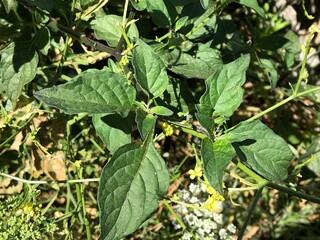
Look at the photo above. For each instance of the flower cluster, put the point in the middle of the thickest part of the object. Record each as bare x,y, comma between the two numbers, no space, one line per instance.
201,220
23,222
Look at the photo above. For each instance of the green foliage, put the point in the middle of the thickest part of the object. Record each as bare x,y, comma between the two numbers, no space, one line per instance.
262,149
18,65
121,71
93,91
131,185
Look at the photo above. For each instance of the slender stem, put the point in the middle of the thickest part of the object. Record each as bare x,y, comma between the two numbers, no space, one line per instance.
251,210
83,205
125,10
302,74
261,181
49,182
294,193
310,159
279,104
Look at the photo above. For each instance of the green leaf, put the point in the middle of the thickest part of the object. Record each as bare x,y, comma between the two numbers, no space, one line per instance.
204,3
114,130
106,28
202,65
180,23
161,110
149,69
216,157
163,13
261,149
145,122
270,71
224,93
18,66
139,5
131,185
8,5
254,5
93,91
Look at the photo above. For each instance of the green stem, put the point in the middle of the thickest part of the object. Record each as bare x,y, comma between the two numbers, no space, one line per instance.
294,193
279,104
125,10
299,166
261,181
302,74
251,210
49,182
83,205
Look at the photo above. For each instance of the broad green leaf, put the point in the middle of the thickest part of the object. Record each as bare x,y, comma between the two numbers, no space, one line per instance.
224,93
254,5
93,91
202,65
131,185
163,13
140,5
270,71
216,157
8,5
206,30
106,27
145,122
161,110
18,66
149,69
261,149
114,130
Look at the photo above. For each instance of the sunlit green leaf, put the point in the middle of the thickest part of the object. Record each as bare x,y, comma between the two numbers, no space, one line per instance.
149,69
163,13
224,93
161,110
254,5
131,185
216,157
106,27
18,66
202,65
93,91
261,149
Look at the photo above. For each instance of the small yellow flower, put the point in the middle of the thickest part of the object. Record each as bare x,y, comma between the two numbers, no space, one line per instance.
167,129
215,194
28,208
213,204
196,172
